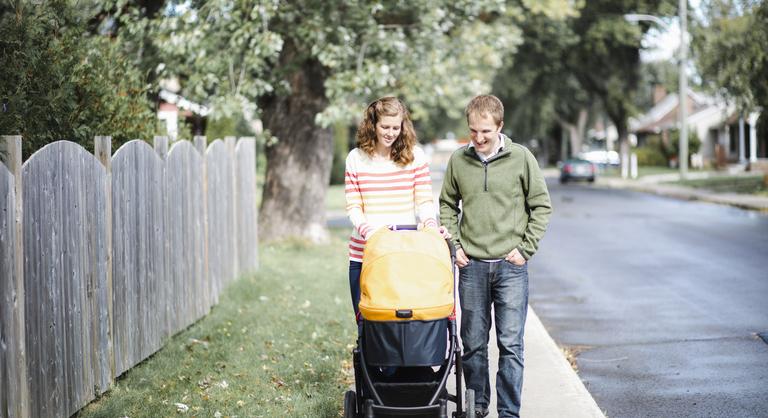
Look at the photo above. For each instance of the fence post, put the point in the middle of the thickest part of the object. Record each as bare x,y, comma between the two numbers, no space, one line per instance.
102,150
201,143
231,142
18,390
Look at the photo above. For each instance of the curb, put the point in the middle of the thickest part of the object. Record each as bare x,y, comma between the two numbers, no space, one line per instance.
748,202
556,391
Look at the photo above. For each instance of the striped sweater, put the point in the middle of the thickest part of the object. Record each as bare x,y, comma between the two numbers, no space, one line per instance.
380,193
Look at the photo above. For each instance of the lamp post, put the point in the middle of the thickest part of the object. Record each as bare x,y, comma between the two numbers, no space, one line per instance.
682,157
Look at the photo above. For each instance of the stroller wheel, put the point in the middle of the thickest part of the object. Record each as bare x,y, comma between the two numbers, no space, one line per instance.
469,404
350,404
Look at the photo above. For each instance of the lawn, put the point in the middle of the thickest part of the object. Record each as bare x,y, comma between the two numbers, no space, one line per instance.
730,184
277,345
335,199
641,171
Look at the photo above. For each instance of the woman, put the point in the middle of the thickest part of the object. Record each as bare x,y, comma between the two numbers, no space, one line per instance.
387,181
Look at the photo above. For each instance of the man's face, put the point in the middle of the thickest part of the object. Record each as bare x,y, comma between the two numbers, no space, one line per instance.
484,133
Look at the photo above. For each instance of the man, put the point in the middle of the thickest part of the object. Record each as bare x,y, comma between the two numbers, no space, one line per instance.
505,208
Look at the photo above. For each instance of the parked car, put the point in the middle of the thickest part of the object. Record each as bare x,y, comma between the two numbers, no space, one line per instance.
577,169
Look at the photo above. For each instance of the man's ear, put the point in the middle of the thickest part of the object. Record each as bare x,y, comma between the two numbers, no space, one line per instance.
501,125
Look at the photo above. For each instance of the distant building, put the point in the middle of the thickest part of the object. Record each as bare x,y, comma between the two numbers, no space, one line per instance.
173,108
726,138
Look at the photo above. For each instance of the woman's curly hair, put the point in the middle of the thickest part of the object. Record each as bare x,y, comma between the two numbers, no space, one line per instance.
402,148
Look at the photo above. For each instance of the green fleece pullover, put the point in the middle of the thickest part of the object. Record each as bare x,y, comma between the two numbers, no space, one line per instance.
504,202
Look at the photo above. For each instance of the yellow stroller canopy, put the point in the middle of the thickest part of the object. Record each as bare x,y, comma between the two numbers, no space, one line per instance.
406,275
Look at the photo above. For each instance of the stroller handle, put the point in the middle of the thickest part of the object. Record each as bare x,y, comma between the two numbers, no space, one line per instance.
412,227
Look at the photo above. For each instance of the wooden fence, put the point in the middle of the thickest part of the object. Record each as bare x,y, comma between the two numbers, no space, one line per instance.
103,257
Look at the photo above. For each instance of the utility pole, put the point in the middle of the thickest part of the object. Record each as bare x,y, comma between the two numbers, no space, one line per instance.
683,102
682,155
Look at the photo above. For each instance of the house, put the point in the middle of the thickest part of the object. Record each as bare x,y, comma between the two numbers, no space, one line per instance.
173,106
726,137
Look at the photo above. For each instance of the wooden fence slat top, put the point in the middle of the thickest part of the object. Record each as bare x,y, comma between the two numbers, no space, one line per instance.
131,147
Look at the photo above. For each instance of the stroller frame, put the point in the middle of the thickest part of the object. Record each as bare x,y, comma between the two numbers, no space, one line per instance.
366,401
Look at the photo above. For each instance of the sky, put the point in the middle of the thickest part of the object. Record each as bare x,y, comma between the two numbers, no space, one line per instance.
662,44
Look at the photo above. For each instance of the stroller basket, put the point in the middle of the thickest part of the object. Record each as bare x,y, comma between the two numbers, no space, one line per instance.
413,343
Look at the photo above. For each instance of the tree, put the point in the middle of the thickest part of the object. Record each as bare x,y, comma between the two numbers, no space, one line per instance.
607,59
539,88
310,63
59,82
729,48
563,68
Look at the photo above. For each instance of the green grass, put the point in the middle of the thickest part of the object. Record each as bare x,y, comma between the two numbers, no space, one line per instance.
277,345
641,171
730,184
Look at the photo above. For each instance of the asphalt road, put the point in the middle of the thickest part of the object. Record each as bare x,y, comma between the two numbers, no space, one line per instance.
662,300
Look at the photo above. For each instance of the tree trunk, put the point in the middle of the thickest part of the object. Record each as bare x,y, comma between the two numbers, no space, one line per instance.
576,131
299,164
621,129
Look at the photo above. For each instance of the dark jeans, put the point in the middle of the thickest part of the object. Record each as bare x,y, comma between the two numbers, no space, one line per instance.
355,267
504,285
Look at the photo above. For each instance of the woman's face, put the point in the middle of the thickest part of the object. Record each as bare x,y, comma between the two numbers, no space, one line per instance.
388,130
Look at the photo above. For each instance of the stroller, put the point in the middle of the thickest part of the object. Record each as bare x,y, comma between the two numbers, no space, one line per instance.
407,344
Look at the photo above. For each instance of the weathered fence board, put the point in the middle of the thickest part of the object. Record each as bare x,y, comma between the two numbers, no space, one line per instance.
138,260
184,188
14,387
232,259
219,187
247,211
8,358
65,278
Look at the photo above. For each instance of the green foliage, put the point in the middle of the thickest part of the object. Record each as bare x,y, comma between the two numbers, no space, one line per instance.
650,154
694,143
61,83
424,51
341,139
660,150
234,125
586,61
730,51
538,87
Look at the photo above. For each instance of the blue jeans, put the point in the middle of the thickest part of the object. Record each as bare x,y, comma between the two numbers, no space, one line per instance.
504,285
355,267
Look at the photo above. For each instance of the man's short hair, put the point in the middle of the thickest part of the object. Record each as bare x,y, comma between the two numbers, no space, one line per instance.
486,105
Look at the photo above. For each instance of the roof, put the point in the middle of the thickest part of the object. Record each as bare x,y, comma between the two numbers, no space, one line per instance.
663,115
183,103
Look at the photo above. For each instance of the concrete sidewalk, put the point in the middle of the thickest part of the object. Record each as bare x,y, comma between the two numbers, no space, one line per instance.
551,389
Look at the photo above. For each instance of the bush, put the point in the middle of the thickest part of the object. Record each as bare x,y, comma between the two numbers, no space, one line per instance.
651,156
658,152
59,82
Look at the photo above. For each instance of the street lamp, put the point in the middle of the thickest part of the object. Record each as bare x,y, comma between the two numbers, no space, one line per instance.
682,157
